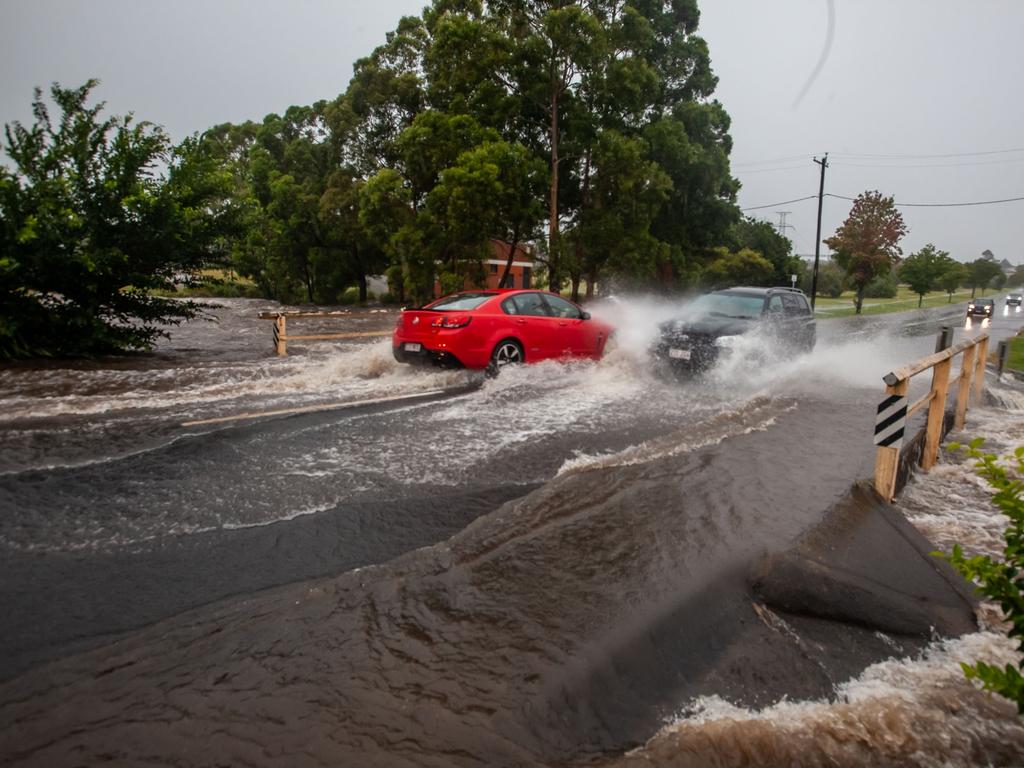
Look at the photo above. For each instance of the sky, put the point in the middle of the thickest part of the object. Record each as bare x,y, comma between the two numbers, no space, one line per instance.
919,99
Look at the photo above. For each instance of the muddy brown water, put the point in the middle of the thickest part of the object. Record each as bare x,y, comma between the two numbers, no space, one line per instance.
538,571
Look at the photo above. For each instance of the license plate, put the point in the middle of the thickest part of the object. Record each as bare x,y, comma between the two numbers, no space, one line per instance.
679,354
412,347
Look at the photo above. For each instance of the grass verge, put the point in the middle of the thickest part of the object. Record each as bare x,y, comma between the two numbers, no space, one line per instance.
905,300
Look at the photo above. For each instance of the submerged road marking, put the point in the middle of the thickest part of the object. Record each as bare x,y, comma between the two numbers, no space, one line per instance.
330,406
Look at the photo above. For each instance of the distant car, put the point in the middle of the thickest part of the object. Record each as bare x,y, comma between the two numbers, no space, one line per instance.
713,324
491,329
983,307
1013,300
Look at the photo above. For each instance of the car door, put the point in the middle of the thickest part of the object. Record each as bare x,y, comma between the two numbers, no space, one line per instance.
569,332
530,320
798,321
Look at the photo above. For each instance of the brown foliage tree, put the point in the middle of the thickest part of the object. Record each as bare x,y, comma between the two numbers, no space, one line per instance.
867,243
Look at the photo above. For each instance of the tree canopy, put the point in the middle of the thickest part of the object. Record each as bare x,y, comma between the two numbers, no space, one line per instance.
866,245
95,213
583,128
981,272
923,270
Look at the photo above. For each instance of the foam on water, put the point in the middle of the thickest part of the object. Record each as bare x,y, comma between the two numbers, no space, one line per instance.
918,711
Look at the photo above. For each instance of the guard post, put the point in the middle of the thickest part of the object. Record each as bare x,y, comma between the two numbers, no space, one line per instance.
894,410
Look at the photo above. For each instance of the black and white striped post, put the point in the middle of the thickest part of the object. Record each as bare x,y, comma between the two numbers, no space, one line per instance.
891,421
280,336
892,413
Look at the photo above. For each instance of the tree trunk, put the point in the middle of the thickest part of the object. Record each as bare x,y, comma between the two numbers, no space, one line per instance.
920,298
307,278
362,288
503,283
591,283
553,276
860,298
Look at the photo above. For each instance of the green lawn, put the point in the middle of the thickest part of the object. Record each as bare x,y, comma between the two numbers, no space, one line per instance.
1015,359
905,299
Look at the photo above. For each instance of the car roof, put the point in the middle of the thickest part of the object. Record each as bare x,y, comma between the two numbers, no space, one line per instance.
754,290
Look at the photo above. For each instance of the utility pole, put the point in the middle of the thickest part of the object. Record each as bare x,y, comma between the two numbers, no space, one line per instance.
817,240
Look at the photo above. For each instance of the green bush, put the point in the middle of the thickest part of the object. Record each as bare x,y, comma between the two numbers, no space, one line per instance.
830,280
349,296
1002,581
882,287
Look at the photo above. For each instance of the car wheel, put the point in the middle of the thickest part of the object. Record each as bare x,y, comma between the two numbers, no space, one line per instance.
507,352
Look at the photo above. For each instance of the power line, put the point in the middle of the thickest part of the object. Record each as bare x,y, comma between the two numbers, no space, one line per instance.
899,205
900,164
935,205
871,156
784,202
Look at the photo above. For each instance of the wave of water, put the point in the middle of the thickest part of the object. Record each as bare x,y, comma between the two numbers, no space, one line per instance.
916,711
902,712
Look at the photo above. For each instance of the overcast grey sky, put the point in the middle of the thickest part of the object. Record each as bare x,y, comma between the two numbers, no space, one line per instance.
910,96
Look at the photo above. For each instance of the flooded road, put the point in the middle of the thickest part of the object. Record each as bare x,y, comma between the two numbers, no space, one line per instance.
498,572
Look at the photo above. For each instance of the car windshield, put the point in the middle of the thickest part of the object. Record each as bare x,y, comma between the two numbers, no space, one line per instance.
459,302
982,301
728,305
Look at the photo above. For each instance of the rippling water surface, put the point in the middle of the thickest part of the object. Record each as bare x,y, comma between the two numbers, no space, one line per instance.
503,556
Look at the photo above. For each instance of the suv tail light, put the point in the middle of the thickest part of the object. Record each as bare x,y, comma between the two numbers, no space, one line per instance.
458,321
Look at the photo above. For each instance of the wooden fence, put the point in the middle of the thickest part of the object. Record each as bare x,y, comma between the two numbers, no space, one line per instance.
281,337
893,411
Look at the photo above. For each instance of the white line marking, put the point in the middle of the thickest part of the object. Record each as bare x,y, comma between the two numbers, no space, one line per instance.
314,408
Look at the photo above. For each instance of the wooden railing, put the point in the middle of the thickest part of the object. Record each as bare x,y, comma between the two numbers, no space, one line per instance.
281,337
970,380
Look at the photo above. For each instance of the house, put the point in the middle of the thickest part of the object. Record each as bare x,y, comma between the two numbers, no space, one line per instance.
521,274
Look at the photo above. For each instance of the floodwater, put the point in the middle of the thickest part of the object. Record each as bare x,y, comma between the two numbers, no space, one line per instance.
438,569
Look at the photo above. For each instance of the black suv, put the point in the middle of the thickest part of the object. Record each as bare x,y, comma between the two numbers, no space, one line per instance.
981,307
1013,300
712,324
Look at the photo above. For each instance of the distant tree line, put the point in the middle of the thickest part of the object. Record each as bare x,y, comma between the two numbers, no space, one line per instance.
867,259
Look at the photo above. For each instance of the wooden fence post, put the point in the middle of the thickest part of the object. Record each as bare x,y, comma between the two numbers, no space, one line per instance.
963,391
936,413
281,335
979,371
887,459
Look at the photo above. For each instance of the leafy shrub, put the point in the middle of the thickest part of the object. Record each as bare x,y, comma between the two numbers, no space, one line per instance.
349,296
882,287
830,280
1000,581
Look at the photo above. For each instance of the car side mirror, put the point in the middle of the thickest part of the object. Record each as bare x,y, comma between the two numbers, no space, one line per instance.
584,315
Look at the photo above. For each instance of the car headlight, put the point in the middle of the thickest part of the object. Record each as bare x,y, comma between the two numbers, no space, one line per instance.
727,342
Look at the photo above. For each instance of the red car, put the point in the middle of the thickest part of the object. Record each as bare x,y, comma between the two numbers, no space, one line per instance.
490,329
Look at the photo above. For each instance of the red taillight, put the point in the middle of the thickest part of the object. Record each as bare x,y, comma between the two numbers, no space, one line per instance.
458,321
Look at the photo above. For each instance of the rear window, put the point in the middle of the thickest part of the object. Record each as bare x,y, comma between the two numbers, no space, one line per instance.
459,302
795,304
